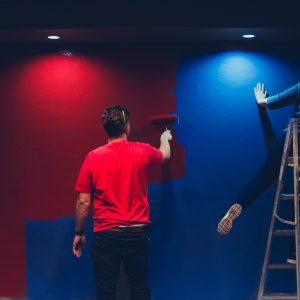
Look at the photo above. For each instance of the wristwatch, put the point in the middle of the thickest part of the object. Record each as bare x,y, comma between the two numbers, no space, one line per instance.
80,233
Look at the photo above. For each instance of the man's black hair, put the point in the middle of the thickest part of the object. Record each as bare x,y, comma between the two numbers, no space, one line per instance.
114,120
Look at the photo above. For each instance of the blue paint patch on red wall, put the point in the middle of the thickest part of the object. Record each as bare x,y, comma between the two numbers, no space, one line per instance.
53,272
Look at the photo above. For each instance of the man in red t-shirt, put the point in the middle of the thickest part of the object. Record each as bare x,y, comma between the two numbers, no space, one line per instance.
113,178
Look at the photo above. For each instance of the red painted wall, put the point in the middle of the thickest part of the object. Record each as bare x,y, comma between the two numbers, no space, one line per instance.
50,107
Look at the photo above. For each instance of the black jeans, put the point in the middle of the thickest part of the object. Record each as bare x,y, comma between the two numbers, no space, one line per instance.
266,175
109,249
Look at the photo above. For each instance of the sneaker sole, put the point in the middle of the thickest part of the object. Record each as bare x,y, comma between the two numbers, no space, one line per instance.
225,225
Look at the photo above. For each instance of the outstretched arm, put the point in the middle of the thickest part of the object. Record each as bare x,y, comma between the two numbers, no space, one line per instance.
287,97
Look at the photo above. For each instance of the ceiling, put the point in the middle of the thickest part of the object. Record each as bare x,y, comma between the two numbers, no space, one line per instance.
121,21
111,35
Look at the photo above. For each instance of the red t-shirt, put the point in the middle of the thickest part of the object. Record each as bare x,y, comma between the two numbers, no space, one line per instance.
116,175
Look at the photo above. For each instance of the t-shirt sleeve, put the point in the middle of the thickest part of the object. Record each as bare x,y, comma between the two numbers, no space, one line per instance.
154,155
287,97
84,183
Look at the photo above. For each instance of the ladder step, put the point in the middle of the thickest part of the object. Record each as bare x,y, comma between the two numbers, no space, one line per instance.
290,161
287,196
280,296
284,232
281,266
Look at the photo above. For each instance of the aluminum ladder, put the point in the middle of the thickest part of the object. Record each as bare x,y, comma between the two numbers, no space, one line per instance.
290,141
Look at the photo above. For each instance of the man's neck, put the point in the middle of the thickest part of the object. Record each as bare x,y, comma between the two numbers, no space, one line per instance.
120,138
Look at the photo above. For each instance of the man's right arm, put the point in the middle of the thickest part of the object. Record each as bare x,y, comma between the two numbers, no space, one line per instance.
164,147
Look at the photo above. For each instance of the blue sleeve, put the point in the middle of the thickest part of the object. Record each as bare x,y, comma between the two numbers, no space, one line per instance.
287,97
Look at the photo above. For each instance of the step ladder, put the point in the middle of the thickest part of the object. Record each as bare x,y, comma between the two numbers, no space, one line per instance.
291,143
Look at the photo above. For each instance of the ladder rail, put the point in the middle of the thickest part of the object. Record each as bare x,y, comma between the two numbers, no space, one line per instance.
296,201
283,165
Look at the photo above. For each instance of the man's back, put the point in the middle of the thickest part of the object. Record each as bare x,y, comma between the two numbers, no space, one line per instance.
116,174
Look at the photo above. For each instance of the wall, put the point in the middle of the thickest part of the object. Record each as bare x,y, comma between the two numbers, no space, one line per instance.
226,140
50,106
51,103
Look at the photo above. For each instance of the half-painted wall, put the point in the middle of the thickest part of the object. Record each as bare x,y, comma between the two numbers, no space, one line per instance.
50,106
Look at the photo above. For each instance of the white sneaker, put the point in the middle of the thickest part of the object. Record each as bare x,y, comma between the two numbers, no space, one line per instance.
225,225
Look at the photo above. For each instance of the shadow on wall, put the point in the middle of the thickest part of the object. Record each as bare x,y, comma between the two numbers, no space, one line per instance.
162,215
266,125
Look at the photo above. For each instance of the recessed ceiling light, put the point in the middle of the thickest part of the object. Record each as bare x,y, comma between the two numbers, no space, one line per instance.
53,37
248,36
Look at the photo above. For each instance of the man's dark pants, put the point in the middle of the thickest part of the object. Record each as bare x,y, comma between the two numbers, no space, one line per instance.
109,249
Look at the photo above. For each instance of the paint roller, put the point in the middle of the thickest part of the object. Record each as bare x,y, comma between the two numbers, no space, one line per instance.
164,119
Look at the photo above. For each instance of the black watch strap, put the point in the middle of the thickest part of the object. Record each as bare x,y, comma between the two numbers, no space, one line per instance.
80,233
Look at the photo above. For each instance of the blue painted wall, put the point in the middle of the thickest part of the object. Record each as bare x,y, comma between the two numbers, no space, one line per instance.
223,134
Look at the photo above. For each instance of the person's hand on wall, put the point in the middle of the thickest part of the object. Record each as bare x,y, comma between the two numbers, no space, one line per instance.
260,95
78,244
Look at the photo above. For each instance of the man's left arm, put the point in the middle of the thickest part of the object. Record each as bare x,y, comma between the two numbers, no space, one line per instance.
83,206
